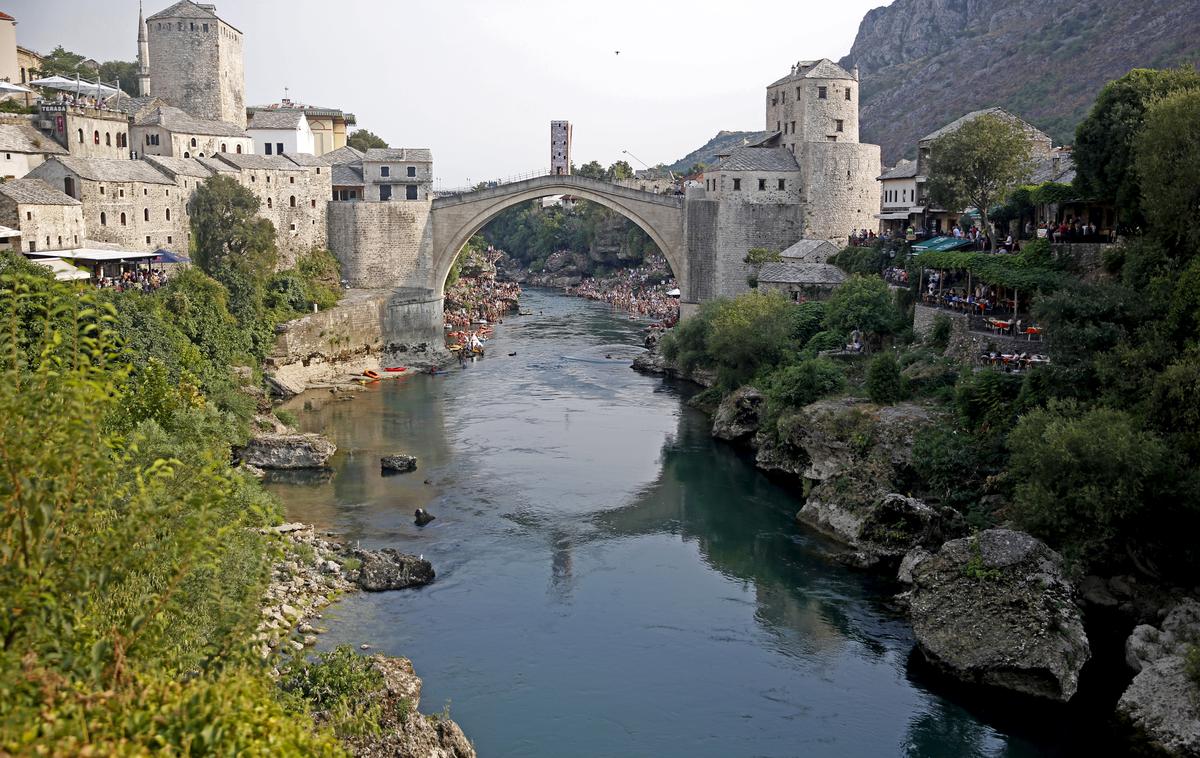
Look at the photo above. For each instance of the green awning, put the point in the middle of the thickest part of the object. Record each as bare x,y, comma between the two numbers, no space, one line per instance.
941,244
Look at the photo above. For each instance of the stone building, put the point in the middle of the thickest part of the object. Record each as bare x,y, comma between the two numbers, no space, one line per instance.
756,175
328,126
800,281
85,132
281,132
195,62
560,147
404,173
23,148
47,218
167,130
293,197
127,203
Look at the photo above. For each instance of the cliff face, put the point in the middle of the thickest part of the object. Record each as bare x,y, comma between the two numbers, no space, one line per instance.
924,63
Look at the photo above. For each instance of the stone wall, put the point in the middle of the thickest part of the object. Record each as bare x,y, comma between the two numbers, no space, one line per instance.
180,145
720,232
843,192
750,181
101,132
1081,257
196,65
966,344
295,201
382,244
368,329
796,102
49,227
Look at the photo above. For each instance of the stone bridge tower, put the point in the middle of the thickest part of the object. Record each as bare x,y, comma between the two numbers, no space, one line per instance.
195,62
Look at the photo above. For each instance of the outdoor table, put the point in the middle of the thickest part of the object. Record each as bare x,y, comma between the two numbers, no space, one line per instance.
1032,331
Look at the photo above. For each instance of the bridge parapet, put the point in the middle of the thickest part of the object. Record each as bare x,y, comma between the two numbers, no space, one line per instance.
558,185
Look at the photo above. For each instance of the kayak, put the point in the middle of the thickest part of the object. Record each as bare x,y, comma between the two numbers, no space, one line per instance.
397,369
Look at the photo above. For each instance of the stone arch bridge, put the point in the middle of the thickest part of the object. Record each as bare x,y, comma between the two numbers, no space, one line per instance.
456,218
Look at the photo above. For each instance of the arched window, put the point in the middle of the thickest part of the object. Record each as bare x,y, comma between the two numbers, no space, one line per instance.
293,201
224,148
186,154
200,155
269,202
168,214
146,214
96,137
193,141
239,148
122,219
103,219
81,136
107,139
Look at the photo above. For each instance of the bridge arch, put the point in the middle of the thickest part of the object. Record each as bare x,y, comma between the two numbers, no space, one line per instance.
456,218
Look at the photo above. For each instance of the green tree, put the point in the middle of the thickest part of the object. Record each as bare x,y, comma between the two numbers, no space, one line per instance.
799,384
227,230
979,164
361,139
1105,141
1168,167
62,62
863,303
125,73
619,170
591,169
885,385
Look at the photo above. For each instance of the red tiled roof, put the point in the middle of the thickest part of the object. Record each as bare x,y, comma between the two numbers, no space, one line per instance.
5,17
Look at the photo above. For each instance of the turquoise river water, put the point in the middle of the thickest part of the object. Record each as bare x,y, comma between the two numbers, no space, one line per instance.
613,582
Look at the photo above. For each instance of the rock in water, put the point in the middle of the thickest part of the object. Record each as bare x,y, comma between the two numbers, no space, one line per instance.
994,609
737,417
288,451
423,517
389,569
1162,700
398,464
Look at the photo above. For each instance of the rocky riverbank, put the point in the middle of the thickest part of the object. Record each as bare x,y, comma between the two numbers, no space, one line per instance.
639,290
997,608
315,570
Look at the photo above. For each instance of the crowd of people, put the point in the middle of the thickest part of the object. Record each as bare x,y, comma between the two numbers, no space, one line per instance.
472,305
641,291
145,280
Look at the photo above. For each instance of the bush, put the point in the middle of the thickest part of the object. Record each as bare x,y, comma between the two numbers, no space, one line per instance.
863,303
950,464
885,385
986,400
798,385
939,334
338,684
822,341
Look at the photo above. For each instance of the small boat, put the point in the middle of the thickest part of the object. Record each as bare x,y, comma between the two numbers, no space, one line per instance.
455,348
397,369
370,374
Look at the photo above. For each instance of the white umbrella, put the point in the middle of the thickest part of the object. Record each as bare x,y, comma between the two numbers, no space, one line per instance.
8,88
674,293
77,86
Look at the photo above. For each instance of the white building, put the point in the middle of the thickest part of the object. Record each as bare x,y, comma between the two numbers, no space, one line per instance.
281,133
23,148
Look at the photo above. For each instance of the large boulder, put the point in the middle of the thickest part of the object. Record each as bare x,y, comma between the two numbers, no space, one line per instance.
737,417
288,451
398,464
404,731
843,434
1163,700
995,609
389,569
881,527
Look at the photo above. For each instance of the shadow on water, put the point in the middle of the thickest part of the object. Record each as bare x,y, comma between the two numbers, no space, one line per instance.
611,580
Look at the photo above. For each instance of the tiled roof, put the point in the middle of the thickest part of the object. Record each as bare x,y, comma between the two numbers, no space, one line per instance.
758,159
818,69
801,273
35,191
406,154
957,124
304,159
248,161
905,169
347,175
183,9
275,120
176,120
111,170
344,154
135,106
810,251
23,138
309,110
216,166
180,166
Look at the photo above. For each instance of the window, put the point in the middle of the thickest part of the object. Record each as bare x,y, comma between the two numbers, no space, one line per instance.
279,148
291,180
268,178
121,193
412,170
385,192
107,139
186,154
29,215
145,191
252,177
206,28
737,184
793,127
782,183
238,149
762,184
292,201
193,142
147,139
783,96
385,170
168,214
201,155
81,136
96,137
837,125
410,192
797,93
122,219
292,227
101,189
69,185
169,240
269,203
313,202
224,148
268,148
847,93
145,214
822,93
32,246
147,239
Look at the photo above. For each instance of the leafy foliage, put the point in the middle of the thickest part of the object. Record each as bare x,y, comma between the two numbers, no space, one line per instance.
338,684
863,303
1031,270
797,385
361,139
1167,160
885,385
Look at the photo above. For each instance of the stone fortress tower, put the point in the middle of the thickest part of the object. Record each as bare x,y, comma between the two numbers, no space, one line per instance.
195,62
560,148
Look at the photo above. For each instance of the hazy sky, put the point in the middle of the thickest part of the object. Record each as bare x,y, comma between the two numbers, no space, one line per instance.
479,82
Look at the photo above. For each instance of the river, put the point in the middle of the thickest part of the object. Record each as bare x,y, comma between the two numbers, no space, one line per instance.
610,580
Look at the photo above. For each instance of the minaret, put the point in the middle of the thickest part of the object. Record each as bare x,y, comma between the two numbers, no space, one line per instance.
143,56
